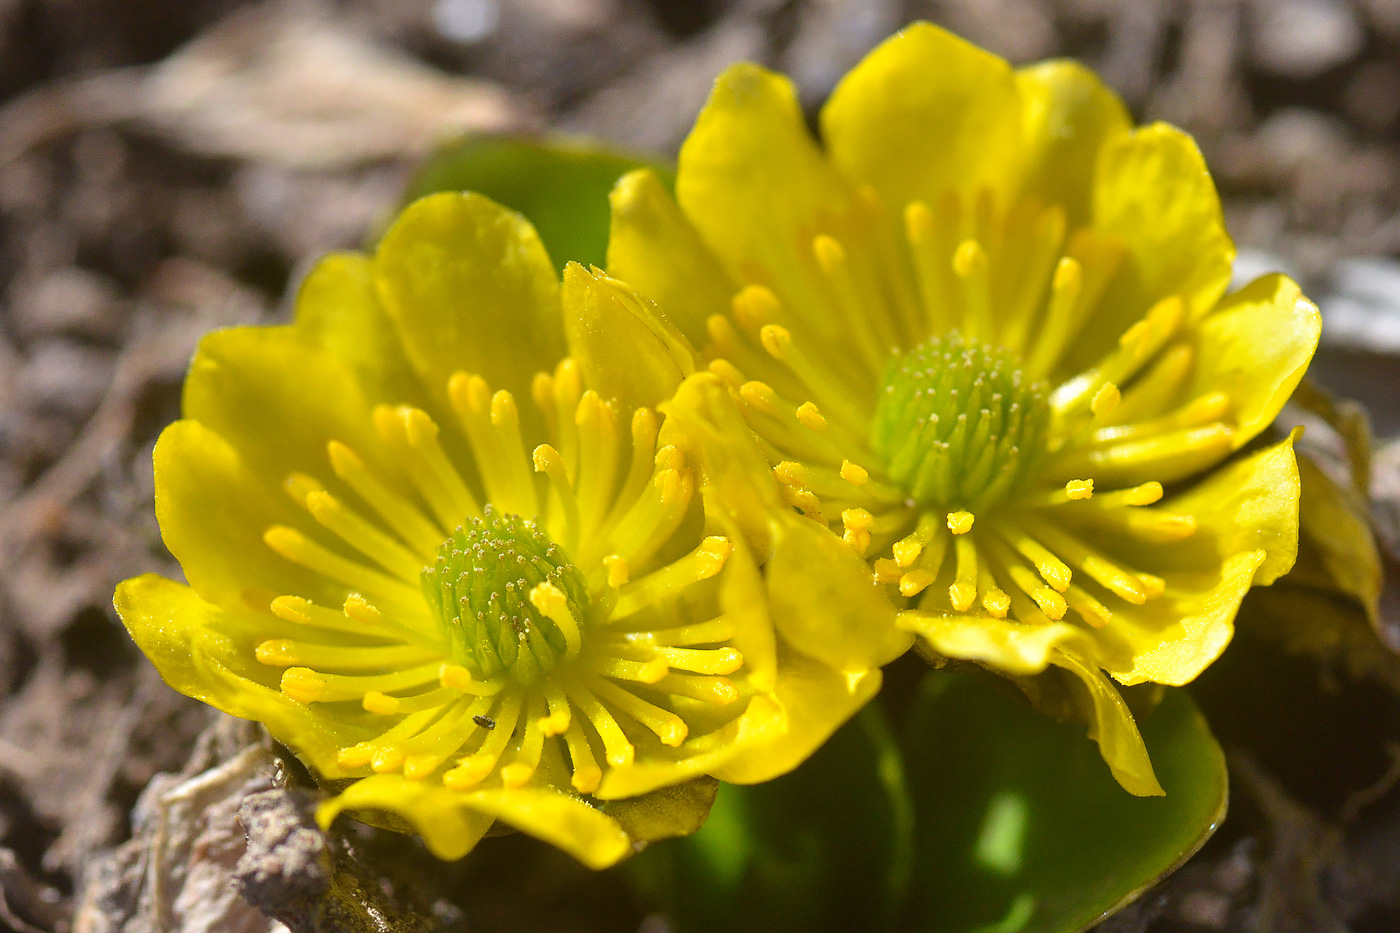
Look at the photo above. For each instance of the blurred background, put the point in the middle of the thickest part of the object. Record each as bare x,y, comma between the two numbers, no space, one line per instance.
169,166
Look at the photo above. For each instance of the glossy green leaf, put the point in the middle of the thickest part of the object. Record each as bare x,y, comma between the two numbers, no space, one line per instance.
826,847
1021,828
560,185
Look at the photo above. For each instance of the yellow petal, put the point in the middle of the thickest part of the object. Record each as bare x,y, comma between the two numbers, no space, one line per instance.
1153,193
449,825
1249,504
277,399
562,820
754,183
1247,534
1069,114
703,420
470,287
826,603
1255,348
762,720
1111,725
816,700
337,310
1002,644
745,606
654,248
206,653
925,113
213,511
628,352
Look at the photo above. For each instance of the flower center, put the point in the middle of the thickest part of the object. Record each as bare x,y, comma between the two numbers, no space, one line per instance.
957,423
508,597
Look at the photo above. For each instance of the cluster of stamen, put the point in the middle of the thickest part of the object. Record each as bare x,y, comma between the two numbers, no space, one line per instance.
484,634
969,487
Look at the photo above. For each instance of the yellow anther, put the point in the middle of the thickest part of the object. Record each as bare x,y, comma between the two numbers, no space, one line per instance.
455,677
776,339
1105,400
728,373
541,390
386,759
554,724
548,598
960,523
907,550
918,222
276,652
887,571
1079,488
417,767
859,519
754,306
1069,276
546,458
830,254
962,596
503,408
653,671
303,684
854,474
356,756
807,413
617,570
1153,585
381,703
791,473
1146,494
996,603
760,396
291,609
711,555
1051,603
516,774
299,486
421,429
915,582
969,259
358,608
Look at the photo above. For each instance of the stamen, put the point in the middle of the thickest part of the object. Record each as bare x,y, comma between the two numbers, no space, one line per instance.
669,727
527,759
960,523
397,512
597,472
549,462
963,593
554,605
471,770
361,535
856,523
1095,613
414,437
559,715
1051,569
971,265
1062,318
286,652
1099,568
617,748
587,774
307,686
717,690
907,549
700,564
299,549
703,660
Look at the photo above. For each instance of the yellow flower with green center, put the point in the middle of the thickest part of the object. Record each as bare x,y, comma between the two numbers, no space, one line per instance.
981,332
450,575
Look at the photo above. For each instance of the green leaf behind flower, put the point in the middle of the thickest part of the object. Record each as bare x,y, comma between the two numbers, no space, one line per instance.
560,185
1021,829
826,847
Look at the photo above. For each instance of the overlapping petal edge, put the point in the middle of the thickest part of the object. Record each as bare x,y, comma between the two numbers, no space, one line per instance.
322,466
962,210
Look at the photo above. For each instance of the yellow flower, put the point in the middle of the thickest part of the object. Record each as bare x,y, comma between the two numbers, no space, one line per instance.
450,575
981,332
